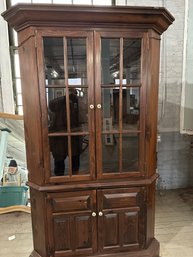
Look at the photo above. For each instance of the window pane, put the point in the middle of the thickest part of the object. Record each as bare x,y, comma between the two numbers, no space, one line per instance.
110,152
110,59
54,60
80,155
77,68
62,1
131,108
20,110
130,152
102,2
18,85
121,2
81,1
20,1
110,107
42,1
132,60
15,38
59,156
57,114
16,65
79,109
19,99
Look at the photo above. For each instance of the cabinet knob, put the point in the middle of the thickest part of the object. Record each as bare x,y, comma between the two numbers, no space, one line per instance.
100,213
91,106
99,106
94,214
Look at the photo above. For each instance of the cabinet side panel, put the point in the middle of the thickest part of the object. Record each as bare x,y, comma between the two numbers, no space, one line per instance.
152,103
31,107
38,222
150,213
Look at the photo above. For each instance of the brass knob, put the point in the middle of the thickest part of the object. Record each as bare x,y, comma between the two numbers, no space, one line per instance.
100,213
99,106
94,214
91,106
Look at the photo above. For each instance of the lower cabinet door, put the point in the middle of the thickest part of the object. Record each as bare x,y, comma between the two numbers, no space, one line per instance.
121,219
86,222
72,223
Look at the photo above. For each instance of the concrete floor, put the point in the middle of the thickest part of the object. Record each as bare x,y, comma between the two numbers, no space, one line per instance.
174,227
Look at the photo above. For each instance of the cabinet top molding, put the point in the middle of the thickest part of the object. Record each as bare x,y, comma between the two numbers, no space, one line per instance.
22,16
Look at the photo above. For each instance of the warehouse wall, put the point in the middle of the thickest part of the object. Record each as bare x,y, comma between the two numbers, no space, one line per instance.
175,154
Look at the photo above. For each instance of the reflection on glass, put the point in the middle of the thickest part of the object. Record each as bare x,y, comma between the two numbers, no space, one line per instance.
110,60
78,109
77,65
57,112
59,155
131,108
57,115
131,61
54,60
80,154
130,152
110,103
110,152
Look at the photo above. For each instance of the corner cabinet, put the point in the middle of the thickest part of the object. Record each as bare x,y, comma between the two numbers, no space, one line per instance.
90,91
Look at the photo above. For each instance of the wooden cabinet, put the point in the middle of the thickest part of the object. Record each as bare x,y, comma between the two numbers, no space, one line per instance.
84,222
90,89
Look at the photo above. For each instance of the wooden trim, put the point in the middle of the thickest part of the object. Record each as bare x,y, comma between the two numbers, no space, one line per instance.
43,104
98,113
97,185
21,16
67,104
121,106
91,100
11,116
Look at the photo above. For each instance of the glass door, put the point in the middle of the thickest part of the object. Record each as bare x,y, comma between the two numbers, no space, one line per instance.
120,96
67,93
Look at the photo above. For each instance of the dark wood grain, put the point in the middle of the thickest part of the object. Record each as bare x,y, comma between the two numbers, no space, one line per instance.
97,213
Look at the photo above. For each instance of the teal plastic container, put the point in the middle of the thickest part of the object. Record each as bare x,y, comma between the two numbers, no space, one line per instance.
13,195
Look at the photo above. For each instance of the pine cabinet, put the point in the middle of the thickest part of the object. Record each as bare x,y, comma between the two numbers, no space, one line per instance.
98,220
90,91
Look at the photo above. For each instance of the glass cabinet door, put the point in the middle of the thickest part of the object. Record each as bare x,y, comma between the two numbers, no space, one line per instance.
68,85
94,94
119,101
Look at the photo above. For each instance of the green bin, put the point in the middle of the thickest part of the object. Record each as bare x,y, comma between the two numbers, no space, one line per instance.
13,195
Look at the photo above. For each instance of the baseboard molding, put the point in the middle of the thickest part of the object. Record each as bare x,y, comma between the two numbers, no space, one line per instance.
151,251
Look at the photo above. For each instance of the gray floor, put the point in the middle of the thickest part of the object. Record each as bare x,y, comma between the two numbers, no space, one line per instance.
174,227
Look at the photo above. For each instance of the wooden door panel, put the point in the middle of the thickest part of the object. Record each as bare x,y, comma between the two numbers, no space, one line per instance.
73,234
121,225
110,223
120,200
130,228
79,203
62,233
83,232
71,223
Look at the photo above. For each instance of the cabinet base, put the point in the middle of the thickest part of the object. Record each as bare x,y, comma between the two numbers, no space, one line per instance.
151,251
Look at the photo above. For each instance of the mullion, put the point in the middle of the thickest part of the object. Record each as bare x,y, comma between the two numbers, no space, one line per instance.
120,106
67,105
115,86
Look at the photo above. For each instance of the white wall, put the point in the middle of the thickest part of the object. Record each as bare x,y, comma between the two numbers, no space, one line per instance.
6,88
187,86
